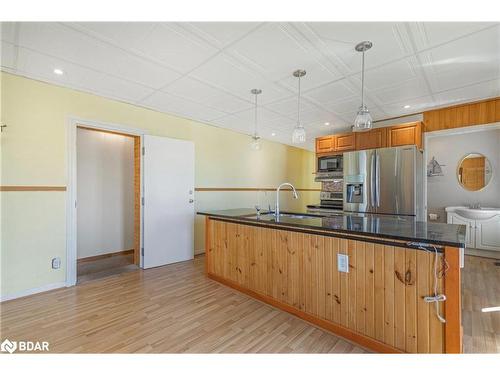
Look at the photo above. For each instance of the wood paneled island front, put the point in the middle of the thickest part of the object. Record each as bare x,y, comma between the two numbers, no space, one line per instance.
292,264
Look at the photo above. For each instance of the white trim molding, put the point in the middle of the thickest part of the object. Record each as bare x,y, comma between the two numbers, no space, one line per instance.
71,191
29,292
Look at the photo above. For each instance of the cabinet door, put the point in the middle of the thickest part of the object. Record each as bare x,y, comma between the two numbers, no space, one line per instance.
345,142
488,233
406,134
375,138
470,232
325,144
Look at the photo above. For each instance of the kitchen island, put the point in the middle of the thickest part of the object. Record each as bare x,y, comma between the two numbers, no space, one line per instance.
292,263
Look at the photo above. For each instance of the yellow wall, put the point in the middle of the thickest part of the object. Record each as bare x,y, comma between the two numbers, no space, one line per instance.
33,152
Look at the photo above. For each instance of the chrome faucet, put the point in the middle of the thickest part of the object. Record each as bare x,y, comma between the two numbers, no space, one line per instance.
295,196
475,206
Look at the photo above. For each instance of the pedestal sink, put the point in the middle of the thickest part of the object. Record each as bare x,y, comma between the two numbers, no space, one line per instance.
482,213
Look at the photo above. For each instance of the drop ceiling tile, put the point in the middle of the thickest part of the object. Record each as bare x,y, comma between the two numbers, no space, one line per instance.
316,75
288,106
72,46
470,93
280,123
334,91
348,105
409,89
315,116
263,116
168,103
335,125
341,37
429,34
222,33
471,59
128,35
416,105
41,67
233,123
8,55
200,92
388,75
175,49
225,73
277,54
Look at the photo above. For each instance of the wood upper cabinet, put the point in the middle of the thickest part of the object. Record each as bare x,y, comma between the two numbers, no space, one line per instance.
375,138
325,144
345,142
405,134
337,142
398,135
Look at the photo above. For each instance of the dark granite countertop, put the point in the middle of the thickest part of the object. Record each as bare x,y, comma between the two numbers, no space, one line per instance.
404,228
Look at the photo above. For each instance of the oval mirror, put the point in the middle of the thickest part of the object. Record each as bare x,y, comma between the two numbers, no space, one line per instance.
474,172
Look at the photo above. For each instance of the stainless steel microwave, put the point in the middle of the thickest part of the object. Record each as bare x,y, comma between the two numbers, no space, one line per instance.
332,163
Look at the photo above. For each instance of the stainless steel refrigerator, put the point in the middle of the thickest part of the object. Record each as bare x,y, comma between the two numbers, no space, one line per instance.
384,181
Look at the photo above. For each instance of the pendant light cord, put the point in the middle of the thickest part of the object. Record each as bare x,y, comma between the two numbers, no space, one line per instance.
255,117
363,80
298,107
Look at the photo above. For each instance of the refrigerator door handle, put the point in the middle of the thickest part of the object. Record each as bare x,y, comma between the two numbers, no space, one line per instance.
377,177
372,180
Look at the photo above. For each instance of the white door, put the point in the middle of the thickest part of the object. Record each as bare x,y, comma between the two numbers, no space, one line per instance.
488,233
168,201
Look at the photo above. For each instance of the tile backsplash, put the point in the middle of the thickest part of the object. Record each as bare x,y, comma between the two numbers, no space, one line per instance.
334,186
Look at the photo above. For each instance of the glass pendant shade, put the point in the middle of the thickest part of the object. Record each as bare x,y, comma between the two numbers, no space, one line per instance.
255,144
363,120
299,134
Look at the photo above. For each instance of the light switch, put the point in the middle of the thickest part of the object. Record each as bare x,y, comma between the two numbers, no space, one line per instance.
343,262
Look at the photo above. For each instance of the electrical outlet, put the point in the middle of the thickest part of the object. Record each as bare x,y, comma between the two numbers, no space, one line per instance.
343,262
56,263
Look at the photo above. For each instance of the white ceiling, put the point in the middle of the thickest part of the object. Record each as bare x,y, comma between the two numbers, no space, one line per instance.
205,71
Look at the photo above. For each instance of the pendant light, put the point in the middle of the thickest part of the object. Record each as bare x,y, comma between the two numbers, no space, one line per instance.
255,144
363,120
299,133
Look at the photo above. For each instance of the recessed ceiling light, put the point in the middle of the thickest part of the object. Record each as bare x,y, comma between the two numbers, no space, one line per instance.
59,72
327,123
406,106
273,134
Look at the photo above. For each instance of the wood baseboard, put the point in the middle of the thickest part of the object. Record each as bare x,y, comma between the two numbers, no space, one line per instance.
108,255
355,337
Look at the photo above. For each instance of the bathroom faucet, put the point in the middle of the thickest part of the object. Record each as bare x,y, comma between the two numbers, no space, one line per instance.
475,206
295,196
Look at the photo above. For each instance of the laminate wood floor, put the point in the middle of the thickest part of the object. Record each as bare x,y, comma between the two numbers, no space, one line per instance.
171,309
176,309
104,267
480,288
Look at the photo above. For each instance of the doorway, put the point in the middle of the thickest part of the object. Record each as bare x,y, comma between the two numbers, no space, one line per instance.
108,170
163,197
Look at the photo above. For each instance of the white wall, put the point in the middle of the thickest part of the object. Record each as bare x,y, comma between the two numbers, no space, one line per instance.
444,191
105,179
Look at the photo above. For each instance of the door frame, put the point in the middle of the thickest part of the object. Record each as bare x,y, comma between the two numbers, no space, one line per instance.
71,192
444,133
